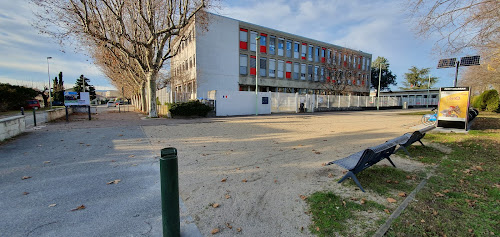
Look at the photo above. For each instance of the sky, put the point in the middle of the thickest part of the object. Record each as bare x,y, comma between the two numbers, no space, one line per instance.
379,27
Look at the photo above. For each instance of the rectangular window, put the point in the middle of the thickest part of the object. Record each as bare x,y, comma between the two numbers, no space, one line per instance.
310,53
272,45
323,54
322,74
263,43
272,68
262,67
316,54
329,56
302,72
281,44
243,39
252,65
243,64
281,68
288,70
289,48
253,36
309,72
304,51
296,71
368,65
316,72
296,48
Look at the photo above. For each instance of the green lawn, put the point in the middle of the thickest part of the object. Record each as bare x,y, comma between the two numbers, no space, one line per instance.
462,198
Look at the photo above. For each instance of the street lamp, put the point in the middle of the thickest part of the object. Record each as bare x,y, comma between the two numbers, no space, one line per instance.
257,75
48,74
378,90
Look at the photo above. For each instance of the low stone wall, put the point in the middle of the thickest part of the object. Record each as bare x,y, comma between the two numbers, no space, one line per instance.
54,114
12,126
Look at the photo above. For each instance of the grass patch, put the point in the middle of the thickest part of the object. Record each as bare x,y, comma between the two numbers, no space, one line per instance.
383,179
462,198
424,154
330,213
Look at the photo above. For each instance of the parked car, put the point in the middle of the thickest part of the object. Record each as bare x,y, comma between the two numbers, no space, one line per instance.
119,102
57,103
31,104
111,104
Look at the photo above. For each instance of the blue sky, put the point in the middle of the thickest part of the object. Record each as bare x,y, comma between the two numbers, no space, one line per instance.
377,27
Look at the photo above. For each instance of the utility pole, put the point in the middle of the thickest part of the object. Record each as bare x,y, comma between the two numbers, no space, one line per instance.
378,90
48,74
257,75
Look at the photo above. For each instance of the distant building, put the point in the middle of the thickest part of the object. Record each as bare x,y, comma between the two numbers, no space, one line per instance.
223,57
112,94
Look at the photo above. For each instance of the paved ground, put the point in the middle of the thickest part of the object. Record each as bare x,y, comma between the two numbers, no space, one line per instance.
69,165
255,168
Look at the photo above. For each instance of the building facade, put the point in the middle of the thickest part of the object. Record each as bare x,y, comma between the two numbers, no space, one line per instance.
228,55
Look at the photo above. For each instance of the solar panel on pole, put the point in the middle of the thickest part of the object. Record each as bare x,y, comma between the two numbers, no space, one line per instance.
446,63
469,61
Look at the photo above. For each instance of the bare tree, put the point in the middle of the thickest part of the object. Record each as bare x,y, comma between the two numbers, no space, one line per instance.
460,24
483,77
142,31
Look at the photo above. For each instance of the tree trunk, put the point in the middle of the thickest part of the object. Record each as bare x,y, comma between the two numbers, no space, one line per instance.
143,97
151,78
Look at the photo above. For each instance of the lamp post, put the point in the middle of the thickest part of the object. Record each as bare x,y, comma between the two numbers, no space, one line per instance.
378,89
48,74
428,90
257,75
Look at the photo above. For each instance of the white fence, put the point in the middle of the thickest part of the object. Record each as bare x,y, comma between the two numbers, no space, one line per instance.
291,102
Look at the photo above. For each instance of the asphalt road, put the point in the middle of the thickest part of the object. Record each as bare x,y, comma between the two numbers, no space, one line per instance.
49,172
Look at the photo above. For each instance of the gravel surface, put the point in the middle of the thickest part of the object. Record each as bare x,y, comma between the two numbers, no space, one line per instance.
256,168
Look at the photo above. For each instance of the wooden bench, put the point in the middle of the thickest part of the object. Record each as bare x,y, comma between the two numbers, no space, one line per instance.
408,139
360,161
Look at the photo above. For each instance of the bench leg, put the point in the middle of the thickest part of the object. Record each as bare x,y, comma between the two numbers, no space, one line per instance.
391,162
353,177
421,142
404,149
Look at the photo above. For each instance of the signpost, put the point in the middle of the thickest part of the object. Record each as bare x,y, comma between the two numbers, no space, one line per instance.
453,107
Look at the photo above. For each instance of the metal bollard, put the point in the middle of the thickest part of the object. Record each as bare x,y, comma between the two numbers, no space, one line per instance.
118,107
90,118
22,110
169,178
34,116
67,114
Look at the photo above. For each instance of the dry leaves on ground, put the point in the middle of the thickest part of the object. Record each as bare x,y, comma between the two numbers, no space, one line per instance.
244,181
26,177
391,200
387,211
114,181
79,208
363,201
239,229
224,180
228,196
302,197
229,226
25,193
52,205
438,194
402,194
215,231
46,162
215,205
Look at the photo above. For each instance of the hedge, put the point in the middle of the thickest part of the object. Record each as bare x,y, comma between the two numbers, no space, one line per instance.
191,108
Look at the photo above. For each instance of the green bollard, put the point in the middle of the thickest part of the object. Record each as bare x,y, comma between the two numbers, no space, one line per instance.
170,192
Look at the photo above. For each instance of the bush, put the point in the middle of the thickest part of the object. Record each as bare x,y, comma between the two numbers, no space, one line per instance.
487,101
14,97
191,108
